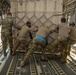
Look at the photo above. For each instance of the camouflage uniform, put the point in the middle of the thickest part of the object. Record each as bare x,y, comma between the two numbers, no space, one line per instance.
62,43
43,32
6,33
23,32
72,37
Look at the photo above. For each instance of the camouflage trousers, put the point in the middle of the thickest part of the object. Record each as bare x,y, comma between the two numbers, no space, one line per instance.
16,44
70,43
6,40
20,41
34,46
61,45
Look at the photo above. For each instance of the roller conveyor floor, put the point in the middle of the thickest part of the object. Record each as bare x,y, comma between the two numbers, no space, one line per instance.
35,66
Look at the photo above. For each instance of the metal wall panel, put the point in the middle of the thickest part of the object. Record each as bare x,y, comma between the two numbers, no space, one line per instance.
70,9
38,12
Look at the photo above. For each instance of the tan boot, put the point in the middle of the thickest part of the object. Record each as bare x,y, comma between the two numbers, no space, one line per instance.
5,54
13,53
42,57
22,63
63,61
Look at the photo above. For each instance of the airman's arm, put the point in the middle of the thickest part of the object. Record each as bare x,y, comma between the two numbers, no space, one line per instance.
35,29
70,29
54,30
16,26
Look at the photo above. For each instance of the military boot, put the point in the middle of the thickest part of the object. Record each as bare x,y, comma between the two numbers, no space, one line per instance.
22,63
25,60
13,53
63,61
4,50
52,57
43,58
5,54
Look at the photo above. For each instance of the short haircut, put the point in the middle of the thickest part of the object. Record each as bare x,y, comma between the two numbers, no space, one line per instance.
71,24
28,23
63,19
9,14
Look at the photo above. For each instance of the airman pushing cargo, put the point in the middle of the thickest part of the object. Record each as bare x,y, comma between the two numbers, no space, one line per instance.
72,35
39,40
61,42
21,37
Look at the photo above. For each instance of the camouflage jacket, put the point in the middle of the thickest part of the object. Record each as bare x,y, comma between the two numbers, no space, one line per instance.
7,24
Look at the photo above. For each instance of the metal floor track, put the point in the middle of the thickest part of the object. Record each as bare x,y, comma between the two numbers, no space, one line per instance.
35,66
